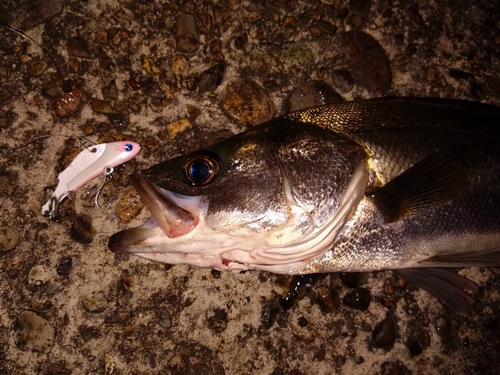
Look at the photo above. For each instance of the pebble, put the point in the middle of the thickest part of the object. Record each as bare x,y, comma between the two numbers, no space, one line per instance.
165,318
77,47
188,39
269,314
180,66
33,332
9,238
366,60
177,127
51,91
129,205
119,120
358,298
47,368
68,103
152,88
342,80
247,103
65,266
94,302
311,94
265,59
211,78
110,91
101,106
234,4
30,14
302,321
385,332
35,67
330,300
192,358
82,230
217,322
37,275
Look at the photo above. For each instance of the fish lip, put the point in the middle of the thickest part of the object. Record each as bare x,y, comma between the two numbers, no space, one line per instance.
173,219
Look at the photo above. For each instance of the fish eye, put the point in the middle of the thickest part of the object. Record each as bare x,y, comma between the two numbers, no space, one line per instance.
128,147
200,169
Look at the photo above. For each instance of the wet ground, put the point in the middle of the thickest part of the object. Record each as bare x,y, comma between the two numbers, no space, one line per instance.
175,76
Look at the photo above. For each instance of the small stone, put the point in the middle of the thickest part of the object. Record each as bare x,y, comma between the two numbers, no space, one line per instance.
119,120
247,103
33,13
215,274
367,61
82,230
94,302
101,36
217,322
180,66
175,128
240,41
188,39
302,321
77,47
68,103
65,266
37,275
165,318
110,91
149,66
269,314
311,94
326,27
9,238
413,346
33,332
51,91
152,88
384,334
129,205
47,368
262,60
211,78
342,80
234,4
330,301
101,106
358,298
206,20
36,67
73,65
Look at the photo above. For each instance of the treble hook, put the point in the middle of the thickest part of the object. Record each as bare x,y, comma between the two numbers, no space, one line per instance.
52,203
107,177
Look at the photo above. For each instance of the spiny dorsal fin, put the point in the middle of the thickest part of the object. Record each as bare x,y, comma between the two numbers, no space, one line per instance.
435,180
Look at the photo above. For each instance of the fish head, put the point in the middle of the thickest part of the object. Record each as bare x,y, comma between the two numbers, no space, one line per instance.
270,198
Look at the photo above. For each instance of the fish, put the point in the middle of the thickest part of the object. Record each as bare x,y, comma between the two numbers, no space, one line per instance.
404,184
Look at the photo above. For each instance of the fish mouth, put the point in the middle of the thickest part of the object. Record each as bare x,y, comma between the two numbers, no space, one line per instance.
175,233
175,214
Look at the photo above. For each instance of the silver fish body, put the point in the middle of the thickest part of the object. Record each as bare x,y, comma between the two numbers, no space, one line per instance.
357,186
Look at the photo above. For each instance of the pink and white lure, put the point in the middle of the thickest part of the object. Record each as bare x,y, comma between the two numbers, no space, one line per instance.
88,164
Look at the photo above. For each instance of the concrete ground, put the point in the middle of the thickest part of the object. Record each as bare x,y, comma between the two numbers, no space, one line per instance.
177,75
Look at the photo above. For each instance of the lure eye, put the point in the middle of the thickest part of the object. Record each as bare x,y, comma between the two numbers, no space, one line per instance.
200,169
128,147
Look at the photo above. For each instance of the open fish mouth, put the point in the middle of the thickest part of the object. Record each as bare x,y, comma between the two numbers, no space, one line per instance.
176,233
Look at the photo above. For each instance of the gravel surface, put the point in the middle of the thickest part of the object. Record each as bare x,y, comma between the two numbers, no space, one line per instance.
174,76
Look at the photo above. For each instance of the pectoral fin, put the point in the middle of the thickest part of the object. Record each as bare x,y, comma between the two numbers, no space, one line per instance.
446,285
433,181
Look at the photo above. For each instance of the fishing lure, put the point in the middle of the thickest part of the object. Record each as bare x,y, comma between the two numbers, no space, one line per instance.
88,164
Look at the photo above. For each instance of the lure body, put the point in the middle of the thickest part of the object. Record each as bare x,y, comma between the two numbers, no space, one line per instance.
87,165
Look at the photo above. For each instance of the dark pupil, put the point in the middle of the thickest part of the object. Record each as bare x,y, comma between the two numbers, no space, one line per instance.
199,171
